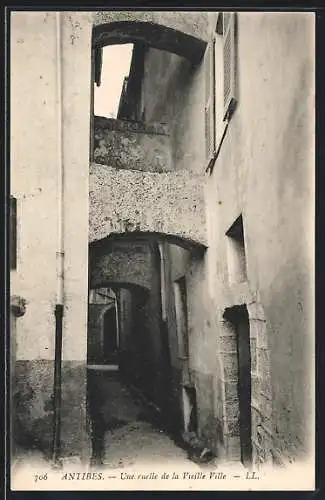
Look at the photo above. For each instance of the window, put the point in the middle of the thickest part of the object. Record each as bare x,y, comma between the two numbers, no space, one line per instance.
220,83
236,252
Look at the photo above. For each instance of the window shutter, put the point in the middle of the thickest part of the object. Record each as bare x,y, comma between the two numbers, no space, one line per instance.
229,63
209,101
13,233
98,65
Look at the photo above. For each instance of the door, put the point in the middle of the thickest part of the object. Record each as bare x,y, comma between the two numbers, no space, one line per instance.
244,384
238,316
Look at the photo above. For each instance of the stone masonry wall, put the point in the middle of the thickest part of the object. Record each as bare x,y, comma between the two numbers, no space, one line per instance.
132,145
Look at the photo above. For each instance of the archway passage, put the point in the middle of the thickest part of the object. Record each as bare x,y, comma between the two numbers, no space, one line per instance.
103,338
146,385
155,34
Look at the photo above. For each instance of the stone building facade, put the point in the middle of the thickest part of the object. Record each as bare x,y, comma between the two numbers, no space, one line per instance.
194,208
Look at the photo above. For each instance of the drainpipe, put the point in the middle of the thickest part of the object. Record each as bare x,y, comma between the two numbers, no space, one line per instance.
162,282
59,254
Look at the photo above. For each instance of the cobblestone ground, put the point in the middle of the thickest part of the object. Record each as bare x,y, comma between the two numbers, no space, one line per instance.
130,432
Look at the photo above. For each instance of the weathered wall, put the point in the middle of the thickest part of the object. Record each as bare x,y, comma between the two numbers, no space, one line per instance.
33,94
34,182
132,145
34,177
265,172
170,203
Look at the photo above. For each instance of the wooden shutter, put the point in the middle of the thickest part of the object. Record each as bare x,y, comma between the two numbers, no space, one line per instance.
98,56
209,110
229,63
13,233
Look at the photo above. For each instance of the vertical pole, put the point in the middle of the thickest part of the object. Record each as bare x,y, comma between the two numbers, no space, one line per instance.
57,381
59,307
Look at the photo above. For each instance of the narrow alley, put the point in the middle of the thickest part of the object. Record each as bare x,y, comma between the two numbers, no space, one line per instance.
160,223
127,430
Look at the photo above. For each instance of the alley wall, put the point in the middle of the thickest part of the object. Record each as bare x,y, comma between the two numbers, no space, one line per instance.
264,172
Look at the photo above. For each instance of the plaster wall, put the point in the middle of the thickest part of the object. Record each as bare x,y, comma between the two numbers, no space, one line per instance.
265,172
34,182
174,95
34,178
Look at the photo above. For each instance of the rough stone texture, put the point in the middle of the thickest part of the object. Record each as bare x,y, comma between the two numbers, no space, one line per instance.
169,203
205,404
75,429
33,405
184,34
133,146
120,263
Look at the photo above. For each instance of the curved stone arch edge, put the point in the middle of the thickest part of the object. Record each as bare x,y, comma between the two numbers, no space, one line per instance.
153,34
196,248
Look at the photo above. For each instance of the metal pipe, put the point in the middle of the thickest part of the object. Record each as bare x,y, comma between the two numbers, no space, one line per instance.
162,281
57,382
59,307
60,169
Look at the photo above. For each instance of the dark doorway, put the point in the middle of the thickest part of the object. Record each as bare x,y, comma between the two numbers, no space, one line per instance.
110,340
238,316
189,409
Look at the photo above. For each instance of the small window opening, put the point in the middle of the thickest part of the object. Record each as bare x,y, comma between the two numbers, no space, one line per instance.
236,252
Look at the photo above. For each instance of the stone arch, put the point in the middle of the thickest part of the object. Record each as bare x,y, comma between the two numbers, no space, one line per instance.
171,204
176,34
149,237
117,285
128,259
